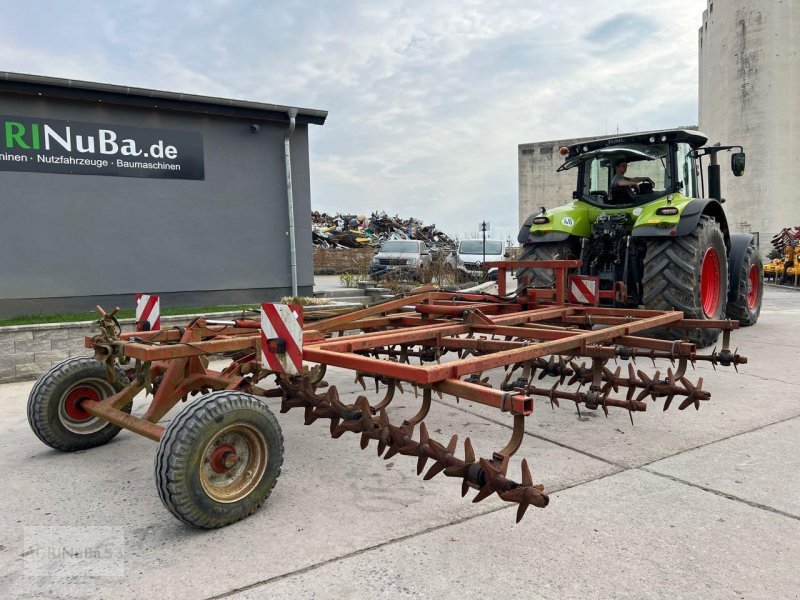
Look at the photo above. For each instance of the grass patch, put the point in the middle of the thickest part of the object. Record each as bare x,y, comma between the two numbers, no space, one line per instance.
305,301
123,314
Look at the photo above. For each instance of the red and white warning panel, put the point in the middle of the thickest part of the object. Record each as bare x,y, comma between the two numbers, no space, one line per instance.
584,289
282,338
148,313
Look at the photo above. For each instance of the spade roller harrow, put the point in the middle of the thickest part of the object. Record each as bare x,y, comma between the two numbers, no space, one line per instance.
218,459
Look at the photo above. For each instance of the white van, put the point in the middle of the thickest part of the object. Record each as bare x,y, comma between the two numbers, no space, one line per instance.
467,260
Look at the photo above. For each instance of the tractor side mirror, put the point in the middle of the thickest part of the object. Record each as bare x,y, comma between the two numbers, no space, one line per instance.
737,163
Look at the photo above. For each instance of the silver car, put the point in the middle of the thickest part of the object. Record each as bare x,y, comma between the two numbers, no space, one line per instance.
401,257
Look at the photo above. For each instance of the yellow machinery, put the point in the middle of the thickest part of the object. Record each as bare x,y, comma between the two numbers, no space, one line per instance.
787,268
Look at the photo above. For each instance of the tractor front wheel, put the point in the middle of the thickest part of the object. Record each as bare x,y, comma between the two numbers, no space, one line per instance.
219,459
689,274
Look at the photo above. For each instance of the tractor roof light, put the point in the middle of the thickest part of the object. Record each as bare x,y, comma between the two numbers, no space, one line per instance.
563,150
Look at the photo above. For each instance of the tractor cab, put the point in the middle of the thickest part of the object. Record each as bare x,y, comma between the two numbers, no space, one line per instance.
663,161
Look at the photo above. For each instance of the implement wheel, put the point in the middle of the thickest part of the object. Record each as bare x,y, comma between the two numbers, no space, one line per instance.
689,274
219,459
55,411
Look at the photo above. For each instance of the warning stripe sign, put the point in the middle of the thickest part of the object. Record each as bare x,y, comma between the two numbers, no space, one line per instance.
282,338
583,289
148,313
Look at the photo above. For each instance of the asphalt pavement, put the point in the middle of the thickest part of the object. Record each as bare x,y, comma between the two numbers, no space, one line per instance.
681,504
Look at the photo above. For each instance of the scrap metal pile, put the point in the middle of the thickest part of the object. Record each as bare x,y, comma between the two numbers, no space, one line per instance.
505,352
786,268
359,231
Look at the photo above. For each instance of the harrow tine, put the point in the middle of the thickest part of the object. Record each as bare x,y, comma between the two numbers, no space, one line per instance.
469,453
360,379
526,493
562,366
553,398
434,471
605,404
442,455
423,448
462,469
494,471
647,383
671,382
383,440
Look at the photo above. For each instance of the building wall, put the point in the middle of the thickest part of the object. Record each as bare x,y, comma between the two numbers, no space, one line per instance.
749,91
539,184
68,242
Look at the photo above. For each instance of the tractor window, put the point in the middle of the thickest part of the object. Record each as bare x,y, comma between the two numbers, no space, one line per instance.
599,170
686,173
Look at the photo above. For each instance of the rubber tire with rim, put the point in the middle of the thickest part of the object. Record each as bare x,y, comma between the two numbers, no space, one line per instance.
543,278
51,390
179,458
740,309
671,280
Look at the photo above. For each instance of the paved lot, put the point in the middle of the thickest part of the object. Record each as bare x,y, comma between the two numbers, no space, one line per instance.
682,504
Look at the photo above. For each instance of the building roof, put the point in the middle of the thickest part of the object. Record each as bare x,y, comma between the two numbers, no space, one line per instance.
88,91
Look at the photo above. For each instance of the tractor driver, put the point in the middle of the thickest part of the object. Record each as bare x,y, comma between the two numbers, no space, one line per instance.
620,180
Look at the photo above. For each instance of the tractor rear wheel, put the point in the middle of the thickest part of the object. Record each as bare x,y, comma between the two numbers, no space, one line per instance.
55,411
542,278
219,459
689,274
747,306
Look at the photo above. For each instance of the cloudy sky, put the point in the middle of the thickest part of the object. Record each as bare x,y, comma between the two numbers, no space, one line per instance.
427,100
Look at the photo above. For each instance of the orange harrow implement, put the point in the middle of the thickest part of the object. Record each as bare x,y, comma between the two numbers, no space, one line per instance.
219,458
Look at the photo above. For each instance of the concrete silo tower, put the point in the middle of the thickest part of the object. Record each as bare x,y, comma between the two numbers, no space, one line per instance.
750,95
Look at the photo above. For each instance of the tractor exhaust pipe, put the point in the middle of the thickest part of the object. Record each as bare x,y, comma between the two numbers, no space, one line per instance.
714,186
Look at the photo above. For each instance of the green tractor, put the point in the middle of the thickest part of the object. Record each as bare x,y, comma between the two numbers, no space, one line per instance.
646,234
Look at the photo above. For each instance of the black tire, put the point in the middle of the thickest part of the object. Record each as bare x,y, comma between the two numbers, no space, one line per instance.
189,452
542,278
54,412
672,279
747,306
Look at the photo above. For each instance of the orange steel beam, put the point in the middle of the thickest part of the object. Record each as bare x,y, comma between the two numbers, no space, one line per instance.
527,332
383,338
340,356
483,363
536,314
123,419
334,322
512,402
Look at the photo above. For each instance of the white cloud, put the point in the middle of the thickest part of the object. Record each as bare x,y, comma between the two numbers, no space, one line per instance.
428,100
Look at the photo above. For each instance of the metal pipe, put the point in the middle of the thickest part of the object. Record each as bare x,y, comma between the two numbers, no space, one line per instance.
287,155
714,186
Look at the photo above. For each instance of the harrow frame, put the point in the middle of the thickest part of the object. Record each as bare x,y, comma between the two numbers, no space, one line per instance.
515,332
